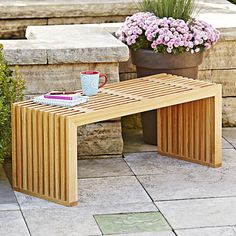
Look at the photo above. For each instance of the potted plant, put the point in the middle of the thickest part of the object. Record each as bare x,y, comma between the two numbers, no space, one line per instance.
165,38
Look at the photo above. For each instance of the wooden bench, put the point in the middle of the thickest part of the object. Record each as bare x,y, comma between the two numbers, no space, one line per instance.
44,138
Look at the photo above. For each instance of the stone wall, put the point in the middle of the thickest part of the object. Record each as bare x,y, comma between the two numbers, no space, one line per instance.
15,16
219,66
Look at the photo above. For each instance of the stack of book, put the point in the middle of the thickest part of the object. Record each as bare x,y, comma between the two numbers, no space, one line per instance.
64,99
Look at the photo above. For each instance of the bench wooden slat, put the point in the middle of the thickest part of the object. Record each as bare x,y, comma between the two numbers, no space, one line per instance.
44,138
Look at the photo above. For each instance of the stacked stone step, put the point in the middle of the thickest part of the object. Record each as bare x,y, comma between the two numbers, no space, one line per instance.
16,15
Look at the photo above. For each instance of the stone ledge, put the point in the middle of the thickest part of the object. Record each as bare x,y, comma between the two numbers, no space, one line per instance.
59,8
88,45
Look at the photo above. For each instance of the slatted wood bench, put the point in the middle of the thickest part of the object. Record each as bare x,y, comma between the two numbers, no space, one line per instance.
44,138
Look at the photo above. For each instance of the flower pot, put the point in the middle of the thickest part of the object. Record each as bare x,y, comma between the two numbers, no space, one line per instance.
150,63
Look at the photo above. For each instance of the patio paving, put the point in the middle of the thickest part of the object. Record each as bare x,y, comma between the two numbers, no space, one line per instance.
116,196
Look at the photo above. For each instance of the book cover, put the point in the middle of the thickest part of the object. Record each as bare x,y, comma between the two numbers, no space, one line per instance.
61,102
63,96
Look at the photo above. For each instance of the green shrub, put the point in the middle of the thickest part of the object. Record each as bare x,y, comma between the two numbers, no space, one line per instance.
178,9
232,1
11,90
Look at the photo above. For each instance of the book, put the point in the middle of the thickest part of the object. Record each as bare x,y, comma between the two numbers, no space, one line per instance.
60,102
63,96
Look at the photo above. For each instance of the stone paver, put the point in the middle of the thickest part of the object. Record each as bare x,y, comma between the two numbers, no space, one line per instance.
163,233
199,212
96,191
226,144
60,222
12,224
111,190
216,231
167,178
75,221
29,202
103,168
132,223
7,197
150,163
230,135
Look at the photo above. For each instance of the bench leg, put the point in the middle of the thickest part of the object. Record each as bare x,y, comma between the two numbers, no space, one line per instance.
44,155
192,131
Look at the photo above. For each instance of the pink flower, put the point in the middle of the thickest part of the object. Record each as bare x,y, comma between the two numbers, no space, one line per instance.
168,32
169,50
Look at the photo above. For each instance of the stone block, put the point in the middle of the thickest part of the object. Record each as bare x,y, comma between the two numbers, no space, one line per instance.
52,47
100,139
78,49
85,20
16,28
226,77
70,8
127,66
221,56
229,112
132,122
24,52
43,78
127,76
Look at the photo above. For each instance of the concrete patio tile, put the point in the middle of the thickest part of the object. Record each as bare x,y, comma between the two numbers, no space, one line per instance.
230,135
95,191
132,222
60,222
216,231
163,233
149,163
192,181
226,144
111,190
199,212
103,168
29,202
7,197
185,186
12,224
75,221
